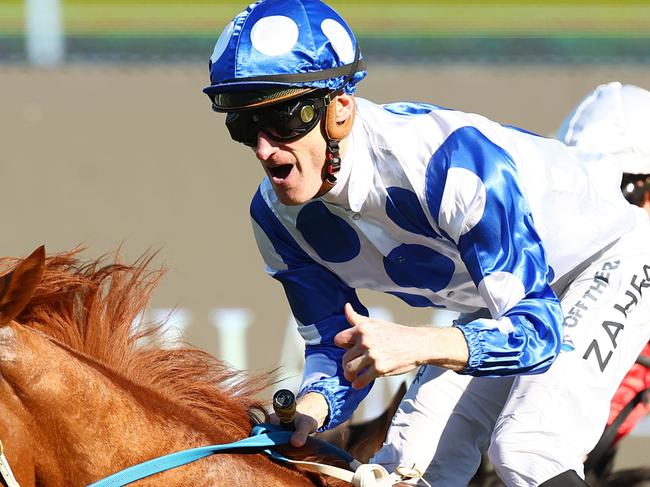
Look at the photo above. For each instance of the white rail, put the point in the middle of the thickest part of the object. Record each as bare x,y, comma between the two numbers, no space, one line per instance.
45,42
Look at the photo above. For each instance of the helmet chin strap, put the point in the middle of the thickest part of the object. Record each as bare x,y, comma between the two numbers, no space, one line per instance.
335,132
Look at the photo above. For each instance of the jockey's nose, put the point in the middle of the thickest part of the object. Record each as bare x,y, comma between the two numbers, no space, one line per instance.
265,147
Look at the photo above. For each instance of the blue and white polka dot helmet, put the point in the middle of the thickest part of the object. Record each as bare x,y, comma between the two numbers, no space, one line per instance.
290,45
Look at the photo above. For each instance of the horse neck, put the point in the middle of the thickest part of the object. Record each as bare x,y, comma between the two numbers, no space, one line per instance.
70,423
74,410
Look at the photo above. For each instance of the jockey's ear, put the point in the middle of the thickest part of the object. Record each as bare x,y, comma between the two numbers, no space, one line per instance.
18,286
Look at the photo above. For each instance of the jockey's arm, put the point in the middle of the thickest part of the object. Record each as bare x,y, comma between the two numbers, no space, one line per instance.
378,348
408,346
316,297
477,199
493,231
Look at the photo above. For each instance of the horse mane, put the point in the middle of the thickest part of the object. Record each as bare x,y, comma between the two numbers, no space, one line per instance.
95,309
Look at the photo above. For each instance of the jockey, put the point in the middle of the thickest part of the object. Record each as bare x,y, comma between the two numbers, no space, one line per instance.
612,120
442,209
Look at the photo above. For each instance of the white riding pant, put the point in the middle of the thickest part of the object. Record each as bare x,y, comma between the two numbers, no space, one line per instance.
534,427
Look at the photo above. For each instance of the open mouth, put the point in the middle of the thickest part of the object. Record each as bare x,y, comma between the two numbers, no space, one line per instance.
281,172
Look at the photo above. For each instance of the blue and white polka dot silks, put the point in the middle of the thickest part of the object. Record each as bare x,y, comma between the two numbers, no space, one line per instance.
442,209
282,37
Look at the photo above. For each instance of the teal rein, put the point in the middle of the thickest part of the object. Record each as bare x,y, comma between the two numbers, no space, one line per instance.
263,438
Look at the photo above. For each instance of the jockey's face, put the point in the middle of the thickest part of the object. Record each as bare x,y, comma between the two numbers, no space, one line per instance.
296,168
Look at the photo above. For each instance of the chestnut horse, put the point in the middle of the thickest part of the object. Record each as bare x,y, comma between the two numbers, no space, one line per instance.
82,397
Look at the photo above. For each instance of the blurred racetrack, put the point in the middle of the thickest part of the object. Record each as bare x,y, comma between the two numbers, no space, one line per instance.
118,147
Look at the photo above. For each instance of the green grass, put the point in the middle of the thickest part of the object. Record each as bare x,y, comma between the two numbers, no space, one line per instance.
415,18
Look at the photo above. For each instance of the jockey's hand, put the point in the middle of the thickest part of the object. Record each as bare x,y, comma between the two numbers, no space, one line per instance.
377,348
311,412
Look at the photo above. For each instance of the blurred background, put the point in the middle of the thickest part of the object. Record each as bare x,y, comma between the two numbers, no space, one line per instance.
106,140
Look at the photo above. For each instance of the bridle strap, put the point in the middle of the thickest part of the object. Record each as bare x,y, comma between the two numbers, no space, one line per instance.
5,470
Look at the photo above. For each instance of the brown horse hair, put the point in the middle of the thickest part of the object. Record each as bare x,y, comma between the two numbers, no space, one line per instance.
90,310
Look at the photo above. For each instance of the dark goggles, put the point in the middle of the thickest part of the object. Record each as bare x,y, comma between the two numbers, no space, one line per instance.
634,187
284,122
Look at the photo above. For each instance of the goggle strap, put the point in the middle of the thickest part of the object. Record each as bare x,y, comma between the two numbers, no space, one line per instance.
347,70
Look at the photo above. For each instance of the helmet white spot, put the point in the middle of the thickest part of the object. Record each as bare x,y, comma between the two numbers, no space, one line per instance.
274,35
340,39
222,42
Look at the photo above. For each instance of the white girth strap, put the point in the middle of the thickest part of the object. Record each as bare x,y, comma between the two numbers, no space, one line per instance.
5,470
